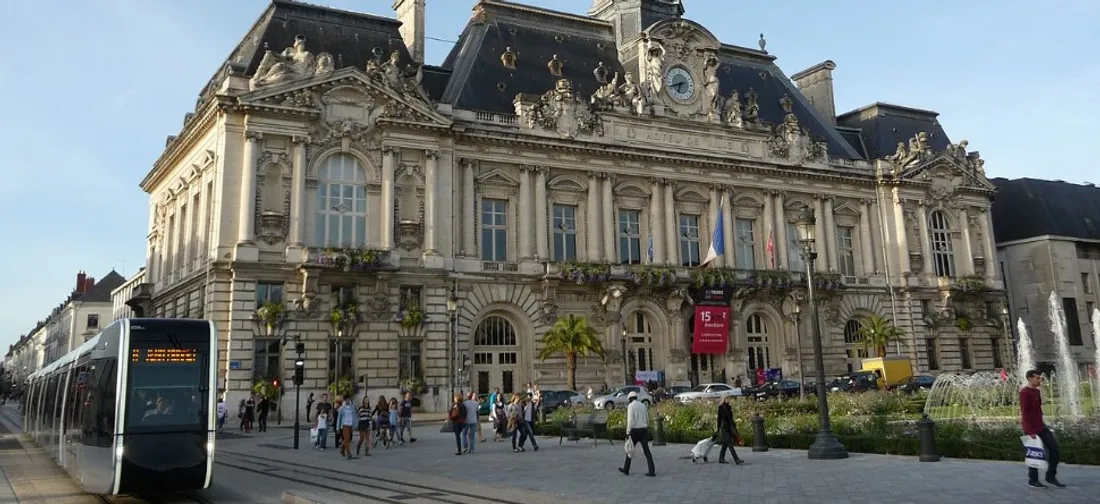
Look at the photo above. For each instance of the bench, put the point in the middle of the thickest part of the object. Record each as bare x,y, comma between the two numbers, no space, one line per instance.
594,424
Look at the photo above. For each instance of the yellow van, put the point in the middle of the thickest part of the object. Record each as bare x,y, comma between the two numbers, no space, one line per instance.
892,370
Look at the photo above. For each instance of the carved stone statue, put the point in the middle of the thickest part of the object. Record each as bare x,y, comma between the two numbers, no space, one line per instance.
607,94
401,78
654,67
559,110
731,113
293,63
710,83
325,64
631,94
752,106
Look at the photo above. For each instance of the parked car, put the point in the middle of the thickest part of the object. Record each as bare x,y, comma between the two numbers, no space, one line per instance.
708,391
554,399
670,392
781,388
617,398
575,398
915,383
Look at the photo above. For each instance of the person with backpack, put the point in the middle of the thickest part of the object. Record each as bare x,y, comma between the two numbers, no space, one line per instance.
457,417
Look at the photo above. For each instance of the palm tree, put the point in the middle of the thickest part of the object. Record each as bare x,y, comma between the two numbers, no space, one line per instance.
571,336
877,333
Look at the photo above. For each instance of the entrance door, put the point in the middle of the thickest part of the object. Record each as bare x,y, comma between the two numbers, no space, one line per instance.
496,355
760,352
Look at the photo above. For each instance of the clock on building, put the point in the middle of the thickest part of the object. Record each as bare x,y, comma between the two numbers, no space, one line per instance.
680,84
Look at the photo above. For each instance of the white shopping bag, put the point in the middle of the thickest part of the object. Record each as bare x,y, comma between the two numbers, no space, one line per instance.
313,435
629,447
1035,454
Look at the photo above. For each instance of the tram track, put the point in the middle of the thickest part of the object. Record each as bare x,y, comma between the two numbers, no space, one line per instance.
160,499
399,491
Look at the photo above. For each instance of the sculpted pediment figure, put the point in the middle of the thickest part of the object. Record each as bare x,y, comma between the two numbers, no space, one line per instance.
560,110
294,63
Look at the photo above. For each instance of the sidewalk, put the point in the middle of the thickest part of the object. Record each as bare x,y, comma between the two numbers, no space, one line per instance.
29,474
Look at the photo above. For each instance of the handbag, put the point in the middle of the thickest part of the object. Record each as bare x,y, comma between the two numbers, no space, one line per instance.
1035,454
629,447
313,435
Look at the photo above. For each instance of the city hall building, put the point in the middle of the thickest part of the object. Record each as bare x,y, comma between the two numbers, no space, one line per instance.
416,222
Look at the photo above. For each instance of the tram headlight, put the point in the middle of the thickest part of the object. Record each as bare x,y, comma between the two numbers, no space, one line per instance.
119,448
210,443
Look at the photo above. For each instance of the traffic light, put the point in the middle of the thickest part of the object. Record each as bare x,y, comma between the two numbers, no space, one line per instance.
299,372
300,348
275,383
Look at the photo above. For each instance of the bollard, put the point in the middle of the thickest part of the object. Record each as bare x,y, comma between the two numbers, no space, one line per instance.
759,439
926,429
659,435
542,415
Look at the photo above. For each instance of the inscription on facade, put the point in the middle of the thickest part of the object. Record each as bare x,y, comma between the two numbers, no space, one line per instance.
678,139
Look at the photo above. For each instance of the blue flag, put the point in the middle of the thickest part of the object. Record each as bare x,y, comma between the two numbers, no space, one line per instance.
651,248
717,240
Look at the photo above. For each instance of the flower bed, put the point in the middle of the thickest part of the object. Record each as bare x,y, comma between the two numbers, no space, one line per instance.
865,423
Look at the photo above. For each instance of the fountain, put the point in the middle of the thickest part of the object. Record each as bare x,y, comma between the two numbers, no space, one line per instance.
1096,356
1070,388
1025,352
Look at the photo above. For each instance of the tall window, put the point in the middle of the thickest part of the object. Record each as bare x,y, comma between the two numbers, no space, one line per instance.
794,249
760,352
265,358
341,203
181,242
209,217
689,240
565,233
853,349
93,321
494,230
630,237
995,343
943,251
1086,283
409,359
932,354
639,343
268,292
964,353
845,250
746,244
341,359
1073,321
196,233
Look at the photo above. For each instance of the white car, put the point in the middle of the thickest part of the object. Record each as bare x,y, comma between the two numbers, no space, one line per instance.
619,398
575,397
708,391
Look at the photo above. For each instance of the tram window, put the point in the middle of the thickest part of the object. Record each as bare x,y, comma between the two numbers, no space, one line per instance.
77,401
50,402
99,419
165,384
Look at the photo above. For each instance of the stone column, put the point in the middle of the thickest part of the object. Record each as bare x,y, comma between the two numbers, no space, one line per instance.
389,165
608,210
967,264
592,217
769,231
672,226
867,259
431,181
900,236
830,234
821,264
523,210
712,219
727,227
781,232
469,210
297,196
656,222
542,226
925,240
989,246
247,226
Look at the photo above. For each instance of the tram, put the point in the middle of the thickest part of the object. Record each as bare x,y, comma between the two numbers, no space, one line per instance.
132,410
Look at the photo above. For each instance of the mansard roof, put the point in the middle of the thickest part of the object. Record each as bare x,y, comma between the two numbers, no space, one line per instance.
882,125
1027,208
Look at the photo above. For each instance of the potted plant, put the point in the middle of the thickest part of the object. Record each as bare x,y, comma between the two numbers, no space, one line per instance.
343,387
271,314
410,315
583,272
413,385
343,316
963,323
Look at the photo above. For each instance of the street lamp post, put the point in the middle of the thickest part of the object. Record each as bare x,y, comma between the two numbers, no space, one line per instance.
798,348
626,368
299,377
826,446
1009,335
452,310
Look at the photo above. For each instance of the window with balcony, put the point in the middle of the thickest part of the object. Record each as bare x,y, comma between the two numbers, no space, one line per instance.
845,250
794,249
494,230
565,232
268,292
630,237
689,240
943,250
745,243
409,359
266,358
341,203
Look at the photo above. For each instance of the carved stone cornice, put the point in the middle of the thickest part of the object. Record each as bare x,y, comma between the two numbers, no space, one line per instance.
431,153
254,136
467,162
300,139
389,149
594,175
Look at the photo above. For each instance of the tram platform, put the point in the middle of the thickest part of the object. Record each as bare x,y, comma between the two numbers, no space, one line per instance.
29,475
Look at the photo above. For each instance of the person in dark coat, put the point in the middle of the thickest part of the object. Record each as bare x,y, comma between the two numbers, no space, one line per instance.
727,432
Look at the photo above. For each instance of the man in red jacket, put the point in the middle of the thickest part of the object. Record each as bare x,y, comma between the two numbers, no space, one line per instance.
1031,420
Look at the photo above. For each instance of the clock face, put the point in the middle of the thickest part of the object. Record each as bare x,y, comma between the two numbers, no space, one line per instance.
680,84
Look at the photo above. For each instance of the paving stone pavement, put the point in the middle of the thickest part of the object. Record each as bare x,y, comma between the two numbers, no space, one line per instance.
582,471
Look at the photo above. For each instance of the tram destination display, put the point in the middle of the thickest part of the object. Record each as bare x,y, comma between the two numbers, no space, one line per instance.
164,355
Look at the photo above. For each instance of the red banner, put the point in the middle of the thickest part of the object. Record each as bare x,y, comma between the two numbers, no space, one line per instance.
712,329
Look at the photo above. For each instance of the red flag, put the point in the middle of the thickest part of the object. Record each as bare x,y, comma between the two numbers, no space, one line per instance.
771,249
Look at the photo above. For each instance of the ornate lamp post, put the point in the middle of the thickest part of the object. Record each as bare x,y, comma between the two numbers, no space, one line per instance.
452,311
1008,334
826,447
612,302
626,368
798,348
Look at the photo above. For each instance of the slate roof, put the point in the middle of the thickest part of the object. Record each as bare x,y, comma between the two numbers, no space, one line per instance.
101,291
883,125
1026,208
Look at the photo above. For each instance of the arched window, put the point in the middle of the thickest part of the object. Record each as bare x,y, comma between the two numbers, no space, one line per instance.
943,251
760,352
341,203
853,348
495,355
639,343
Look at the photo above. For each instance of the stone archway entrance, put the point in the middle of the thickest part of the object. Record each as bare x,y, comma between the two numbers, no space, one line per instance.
496,356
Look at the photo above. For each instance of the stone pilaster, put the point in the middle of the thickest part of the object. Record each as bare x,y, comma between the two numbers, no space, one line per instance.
542,226
656,219
246,248
389,164
431,182
829,245
523,210
607,206
469,210
592,219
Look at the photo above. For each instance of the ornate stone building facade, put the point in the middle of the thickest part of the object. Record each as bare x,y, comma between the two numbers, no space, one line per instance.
553,164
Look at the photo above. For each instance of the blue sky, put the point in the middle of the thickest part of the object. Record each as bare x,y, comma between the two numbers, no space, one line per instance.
93,89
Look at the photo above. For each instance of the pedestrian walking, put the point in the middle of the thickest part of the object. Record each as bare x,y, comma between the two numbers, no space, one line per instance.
469,435
1031,420
262,409
405,421
457,416
348,420
727,432
637,428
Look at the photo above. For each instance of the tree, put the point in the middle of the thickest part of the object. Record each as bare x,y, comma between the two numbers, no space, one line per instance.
572,337
876,333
